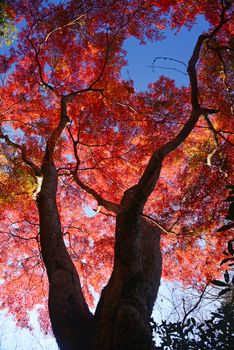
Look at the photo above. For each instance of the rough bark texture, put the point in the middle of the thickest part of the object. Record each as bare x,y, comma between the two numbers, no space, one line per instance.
127,301
70,317
122,318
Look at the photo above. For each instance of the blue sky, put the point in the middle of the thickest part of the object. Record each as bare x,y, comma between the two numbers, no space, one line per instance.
177,46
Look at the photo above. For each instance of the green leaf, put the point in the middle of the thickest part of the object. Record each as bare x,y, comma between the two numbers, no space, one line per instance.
193,321
230,247
229,199
226,276
224,291
217,315
225,227
226,260
219,283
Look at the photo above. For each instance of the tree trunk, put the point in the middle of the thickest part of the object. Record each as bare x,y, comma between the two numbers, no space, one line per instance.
69,314
122,319
71,320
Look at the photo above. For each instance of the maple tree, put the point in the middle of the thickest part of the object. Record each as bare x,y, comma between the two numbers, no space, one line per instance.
152,165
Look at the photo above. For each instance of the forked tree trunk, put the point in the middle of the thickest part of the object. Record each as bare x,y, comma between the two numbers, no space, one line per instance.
69,314
122,318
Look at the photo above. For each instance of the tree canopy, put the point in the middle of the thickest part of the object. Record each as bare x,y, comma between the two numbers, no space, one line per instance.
67,61
7,28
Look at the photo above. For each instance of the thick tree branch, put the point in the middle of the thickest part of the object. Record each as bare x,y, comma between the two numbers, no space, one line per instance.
25,158
128,261
69,313
152,171
108,205
51,143
111,206
40,69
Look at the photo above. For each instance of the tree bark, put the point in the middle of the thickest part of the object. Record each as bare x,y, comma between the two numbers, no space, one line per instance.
122,317
128,298
71,319
123,314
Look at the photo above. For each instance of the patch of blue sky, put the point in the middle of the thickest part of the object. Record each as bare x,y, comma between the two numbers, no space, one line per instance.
116,128
89,212
178,46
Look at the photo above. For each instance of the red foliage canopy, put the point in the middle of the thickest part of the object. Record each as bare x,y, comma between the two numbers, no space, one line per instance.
76,49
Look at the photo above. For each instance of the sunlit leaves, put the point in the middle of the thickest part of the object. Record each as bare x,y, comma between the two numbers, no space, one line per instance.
7,28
